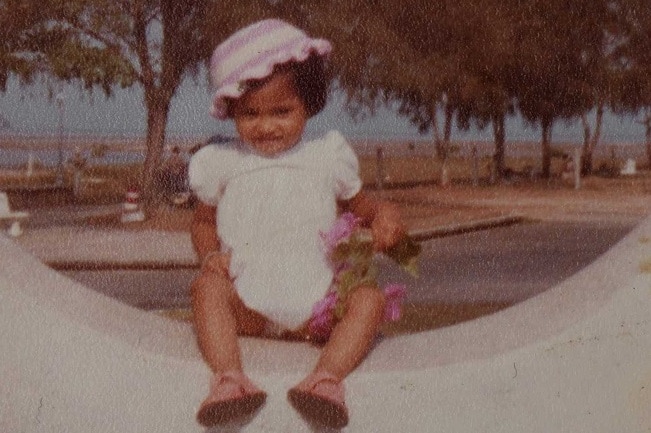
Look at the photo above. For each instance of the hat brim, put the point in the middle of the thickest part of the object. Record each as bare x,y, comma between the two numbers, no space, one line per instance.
299,52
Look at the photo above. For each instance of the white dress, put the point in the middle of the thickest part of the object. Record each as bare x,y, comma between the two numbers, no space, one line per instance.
270,211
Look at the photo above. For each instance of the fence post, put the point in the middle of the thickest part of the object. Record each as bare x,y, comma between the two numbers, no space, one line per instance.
475,166
379,167
577,168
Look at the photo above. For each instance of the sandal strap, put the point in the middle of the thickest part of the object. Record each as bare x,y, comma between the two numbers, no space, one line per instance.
320,397
334,386
324,376
234,378
231,396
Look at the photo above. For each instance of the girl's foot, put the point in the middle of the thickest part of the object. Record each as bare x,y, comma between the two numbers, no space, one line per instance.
232,395
320,398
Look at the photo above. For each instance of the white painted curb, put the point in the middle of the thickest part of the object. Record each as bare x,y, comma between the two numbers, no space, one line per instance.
576,358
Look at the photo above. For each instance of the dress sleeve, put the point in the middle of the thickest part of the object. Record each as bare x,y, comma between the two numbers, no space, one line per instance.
345,167
206,175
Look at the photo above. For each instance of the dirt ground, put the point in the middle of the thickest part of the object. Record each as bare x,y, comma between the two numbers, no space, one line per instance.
626,198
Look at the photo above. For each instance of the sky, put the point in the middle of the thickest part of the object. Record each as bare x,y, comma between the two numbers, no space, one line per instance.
30,111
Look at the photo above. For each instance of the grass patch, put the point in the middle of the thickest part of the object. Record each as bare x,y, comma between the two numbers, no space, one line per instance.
108,184
100,184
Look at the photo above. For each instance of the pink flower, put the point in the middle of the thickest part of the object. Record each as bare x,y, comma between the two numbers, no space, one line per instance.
351,260
343,227
394,294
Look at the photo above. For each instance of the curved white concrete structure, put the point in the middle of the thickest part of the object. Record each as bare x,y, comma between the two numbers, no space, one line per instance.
576,358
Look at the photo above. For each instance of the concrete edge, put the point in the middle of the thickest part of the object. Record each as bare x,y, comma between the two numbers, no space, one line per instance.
573,359
419,235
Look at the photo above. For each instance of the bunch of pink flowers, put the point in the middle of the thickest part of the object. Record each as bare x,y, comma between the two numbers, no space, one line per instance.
351,258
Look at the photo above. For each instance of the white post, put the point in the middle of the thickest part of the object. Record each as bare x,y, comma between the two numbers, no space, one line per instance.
475,166
30,165
379,167
577,168
59,177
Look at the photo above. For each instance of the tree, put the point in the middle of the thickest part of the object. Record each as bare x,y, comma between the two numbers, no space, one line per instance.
22,28
633,54
375,62
16,19
477,61
600,58
558,40
152,43
491,99
427,58
32,44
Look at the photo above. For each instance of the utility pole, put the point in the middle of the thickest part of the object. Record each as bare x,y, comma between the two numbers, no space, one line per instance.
61,108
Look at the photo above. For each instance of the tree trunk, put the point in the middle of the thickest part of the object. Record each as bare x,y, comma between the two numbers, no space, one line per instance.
597,133
586,150
157,112
546,148
646,121
648,141
436,134
447,128
442,145
590,140
499,136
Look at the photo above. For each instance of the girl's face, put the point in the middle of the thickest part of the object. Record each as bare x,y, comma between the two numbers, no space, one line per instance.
271,118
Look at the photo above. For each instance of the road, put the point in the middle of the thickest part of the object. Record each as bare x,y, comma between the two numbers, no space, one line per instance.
507,264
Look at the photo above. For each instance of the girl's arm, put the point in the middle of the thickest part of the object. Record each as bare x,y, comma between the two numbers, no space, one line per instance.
382,217
205,240
203,230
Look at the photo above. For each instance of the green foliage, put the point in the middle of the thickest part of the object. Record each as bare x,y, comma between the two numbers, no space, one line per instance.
94,67
633,53
353,259
19,24
476,60
406,253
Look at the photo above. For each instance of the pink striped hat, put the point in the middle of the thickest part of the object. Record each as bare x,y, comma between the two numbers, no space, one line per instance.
252,53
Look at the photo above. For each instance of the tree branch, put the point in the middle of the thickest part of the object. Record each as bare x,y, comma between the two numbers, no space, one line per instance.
140,47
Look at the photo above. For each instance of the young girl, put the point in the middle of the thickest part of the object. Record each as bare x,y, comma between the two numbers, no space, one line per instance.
265,201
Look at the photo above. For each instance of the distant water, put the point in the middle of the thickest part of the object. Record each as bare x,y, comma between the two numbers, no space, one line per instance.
128,149
18,157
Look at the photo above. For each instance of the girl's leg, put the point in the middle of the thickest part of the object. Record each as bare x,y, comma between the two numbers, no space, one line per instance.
320,397
219,316
354,334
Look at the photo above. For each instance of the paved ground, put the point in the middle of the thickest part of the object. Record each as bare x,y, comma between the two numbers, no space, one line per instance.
95,234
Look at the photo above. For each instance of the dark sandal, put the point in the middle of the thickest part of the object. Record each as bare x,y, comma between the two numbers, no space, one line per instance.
320,398
232,396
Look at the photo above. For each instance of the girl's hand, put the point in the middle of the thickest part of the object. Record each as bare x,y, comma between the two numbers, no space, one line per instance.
217,263
387,227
